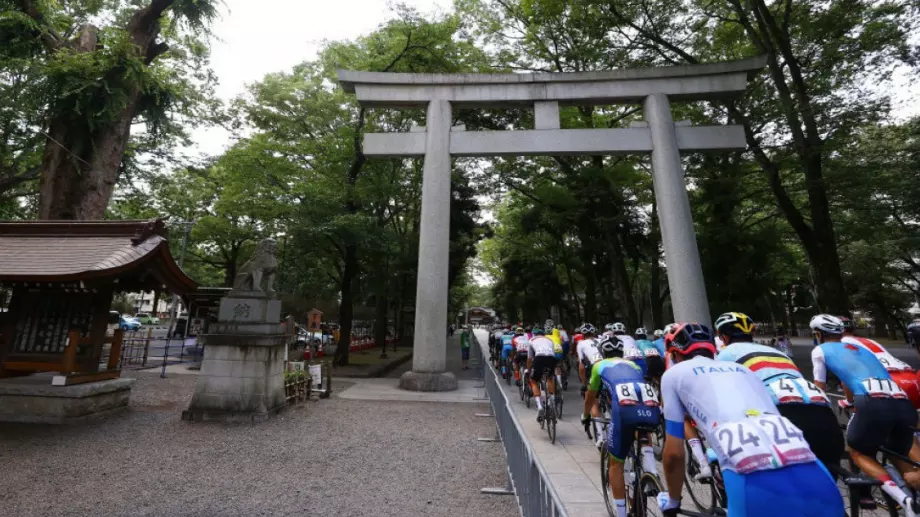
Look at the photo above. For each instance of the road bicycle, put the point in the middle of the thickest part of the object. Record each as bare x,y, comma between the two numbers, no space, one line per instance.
526,395
566,370
507,370
641,487
550,416
708,494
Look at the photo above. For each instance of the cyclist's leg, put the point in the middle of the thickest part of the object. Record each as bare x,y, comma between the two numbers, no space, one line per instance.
619,441
868,430
901,440
696,448
536,374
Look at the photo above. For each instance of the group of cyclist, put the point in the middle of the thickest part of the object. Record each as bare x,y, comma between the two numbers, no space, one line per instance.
774,434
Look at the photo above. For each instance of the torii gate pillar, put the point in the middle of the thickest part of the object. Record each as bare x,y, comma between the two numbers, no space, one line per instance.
654,88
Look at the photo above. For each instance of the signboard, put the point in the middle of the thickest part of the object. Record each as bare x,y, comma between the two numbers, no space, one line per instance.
316,373
296,366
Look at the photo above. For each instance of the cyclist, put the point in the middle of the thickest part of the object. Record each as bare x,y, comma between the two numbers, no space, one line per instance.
883,414
632,403
521,344
541,359
654,361
566,339
766,464
797,399
503,338
659,342
507,348
631,351
588,331
900,372
552,333
608,329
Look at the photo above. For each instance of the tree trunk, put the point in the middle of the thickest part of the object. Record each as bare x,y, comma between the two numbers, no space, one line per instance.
381,310
346,307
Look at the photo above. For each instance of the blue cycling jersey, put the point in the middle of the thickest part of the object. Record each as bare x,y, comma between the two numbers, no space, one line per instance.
659,344
854,365
783,379
647,348
507,339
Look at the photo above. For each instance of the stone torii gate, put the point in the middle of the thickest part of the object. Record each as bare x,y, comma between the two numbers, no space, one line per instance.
659,135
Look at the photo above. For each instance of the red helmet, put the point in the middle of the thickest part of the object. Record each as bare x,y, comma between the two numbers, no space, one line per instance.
684,338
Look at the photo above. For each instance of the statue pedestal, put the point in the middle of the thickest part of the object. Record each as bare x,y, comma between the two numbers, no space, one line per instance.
242,372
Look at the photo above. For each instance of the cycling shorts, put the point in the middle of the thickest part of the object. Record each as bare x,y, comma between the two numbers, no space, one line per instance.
804,490
520,358
621,433
654,367
507,350
821,429
559,356
877,422
543,363
566,347
909,383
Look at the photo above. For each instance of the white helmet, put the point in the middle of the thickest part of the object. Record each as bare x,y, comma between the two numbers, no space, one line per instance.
618,328
827,324
608,326
641,331
659,333
667,329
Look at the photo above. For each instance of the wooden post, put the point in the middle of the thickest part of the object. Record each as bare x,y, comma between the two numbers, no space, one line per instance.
69,361
115,351
147,345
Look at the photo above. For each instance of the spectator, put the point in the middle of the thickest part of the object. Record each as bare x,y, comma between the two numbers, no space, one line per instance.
465,347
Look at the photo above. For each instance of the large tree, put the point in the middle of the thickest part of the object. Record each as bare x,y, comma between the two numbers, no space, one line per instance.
94,69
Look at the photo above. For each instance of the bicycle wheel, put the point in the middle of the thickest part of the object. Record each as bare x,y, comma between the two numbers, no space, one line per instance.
632,472
550,419
657,439
521,389
649,488
703,493
605,481
558,397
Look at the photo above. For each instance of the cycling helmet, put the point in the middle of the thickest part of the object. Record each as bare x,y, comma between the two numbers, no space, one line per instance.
667,328
537,331
519,331
847,324
734,323
685,338
587,328
608,326
618,328
658,333
610,347
826,324
641,332
548,323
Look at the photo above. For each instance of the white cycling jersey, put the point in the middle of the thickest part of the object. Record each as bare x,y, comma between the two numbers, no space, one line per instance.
583,346
521,343
541,346
593,355
891,363
731,406
630,349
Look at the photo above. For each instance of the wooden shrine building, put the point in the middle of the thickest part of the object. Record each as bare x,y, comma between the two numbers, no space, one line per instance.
61,277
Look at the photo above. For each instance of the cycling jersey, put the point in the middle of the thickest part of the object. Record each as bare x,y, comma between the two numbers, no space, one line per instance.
593,355
541,346
521,343
583,346
507,339
659,344
631,352
566,340
557,343
901,372
577,338
782,378
857,368
632,402
890,362
732,408
647,348
507,350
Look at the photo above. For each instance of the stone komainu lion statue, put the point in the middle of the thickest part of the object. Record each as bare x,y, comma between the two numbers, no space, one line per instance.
260,268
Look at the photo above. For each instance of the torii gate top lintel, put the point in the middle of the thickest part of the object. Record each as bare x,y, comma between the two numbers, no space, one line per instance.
685,82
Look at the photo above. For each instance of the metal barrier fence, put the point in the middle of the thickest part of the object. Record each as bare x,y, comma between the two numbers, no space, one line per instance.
530,483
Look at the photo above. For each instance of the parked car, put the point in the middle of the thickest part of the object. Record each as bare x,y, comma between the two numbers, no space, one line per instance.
129,323
147,319
305,337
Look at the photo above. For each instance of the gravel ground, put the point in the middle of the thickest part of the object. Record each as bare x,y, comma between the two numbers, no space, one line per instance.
333,457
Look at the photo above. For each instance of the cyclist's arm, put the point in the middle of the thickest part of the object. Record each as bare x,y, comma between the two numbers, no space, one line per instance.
673,456
594,384
819,368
